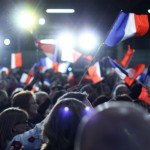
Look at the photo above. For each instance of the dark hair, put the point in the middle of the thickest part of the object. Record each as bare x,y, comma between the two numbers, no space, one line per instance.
77,95
100,100
61,126
115,126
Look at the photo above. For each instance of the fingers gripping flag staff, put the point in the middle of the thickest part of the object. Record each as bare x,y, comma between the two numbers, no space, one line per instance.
127,25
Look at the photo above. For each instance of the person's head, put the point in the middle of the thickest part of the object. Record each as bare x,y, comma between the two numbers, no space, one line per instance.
4,100
124,97
62,122
100,100
90,90
13,121
83,97
44,102
41,97
56,94
120,89
26,101
115,126
135,89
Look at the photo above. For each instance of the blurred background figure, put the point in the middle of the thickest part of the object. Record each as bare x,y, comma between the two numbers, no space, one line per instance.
26,100
4,100
115,126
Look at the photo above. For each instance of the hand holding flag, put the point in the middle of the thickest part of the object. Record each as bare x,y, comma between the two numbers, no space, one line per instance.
125,61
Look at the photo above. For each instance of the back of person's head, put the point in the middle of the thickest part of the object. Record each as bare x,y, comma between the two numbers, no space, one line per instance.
62,123
22,99
124,97
83,97
57,94
41,97
120,89
17,90
100,100
90,90
115,126
135,90
4,100
9,118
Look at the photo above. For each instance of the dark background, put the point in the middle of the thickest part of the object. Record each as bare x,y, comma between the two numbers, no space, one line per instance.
96,15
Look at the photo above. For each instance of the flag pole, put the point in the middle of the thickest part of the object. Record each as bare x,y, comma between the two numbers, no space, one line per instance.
97,54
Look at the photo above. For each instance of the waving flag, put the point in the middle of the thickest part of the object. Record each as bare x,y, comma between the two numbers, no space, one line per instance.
48,46
95,73
129,75
26,79
45,63
125,61
16,60
144,96
127,25
134,72
122,73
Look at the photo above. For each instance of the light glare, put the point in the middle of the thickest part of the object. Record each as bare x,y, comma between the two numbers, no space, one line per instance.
41,21
60,10
87,41
6,41
26,19
66,109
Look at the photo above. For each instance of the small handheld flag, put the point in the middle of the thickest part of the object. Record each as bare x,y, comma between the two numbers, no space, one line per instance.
16,60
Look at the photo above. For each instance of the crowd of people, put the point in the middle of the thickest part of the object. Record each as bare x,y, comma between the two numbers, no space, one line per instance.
63,115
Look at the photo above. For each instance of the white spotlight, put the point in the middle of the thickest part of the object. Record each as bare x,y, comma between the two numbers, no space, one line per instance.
6,41
41,21
66,43
88,41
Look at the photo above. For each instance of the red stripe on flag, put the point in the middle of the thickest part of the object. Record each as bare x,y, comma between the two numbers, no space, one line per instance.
18,59
142,24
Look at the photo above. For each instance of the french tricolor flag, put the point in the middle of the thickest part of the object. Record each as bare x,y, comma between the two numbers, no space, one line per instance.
45,63
134,73
94,72
122,73
16,60
127,25
26,79
129,75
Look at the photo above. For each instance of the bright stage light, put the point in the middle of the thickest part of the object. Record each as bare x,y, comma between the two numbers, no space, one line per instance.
148,11
60,10
41,21
66,41
87,41
26,19
66,44
7,42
